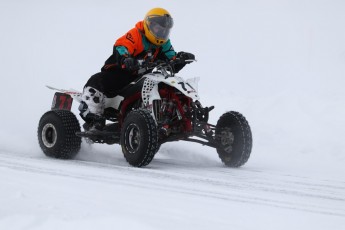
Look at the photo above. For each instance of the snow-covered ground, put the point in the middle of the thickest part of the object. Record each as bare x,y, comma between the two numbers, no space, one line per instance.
280,63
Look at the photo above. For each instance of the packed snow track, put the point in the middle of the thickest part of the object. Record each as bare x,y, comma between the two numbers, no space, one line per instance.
44,191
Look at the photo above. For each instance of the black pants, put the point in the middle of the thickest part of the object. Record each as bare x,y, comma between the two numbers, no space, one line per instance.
110,82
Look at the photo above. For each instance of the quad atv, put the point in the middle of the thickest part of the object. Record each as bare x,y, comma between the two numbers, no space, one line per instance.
158,107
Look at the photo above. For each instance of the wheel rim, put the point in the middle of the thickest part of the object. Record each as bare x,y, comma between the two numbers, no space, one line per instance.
132,138
227,139
49,135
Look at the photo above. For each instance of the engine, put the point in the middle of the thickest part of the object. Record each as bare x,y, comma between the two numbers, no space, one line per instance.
178,114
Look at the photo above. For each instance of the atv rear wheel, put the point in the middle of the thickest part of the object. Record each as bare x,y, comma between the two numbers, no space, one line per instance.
56,134
234,139
139,138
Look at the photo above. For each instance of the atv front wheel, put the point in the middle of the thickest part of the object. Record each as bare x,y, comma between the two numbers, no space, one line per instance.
234,139
139,138
56,134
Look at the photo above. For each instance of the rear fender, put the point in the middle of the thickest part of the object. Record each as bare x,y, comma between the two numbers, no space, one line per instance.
76,95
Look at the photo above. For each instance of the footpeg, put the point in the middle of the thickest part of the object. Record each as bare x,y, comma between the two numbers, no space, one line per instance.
165,130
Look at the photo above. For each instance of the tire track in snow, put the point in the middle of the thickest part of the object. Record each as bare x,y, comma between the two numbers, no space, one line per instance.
244,186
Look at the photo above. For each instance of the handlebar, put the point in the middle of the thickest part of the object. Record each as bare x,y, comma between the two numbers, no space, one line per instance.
162,66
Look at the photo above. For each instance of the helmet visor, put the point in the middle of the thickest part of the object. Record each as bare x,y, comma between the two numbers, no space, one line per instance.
160,26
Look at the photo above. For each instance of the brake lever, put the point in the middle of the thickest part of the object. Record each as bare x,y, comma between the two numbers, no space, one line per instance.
188,61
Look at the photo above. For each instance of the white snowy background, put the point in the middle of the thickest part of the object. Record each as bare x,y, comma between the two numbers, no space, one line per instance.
279,62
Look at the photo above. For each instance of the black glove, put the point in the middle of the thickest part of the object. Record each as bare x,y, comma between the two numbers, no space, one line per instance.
130,63
185,56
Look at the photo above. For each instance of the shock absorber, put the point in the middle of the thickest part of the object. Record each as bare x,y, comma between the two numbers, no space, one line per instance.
167,110
201,115
163,108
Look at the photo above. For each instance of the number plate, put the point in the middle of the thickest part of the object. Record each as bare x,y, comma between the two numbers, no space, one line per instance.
62,101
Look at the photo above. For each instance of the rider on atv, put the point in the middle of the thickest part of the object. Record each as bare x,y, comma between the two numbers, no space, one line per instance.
148,41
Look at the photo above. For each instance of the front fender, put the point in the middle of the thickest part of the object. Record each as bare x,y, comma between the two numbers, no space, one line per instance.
150,87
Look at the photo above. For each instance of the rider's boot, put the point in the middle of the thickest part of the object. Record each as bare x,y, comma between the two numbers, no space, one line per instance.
94,123
91,110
